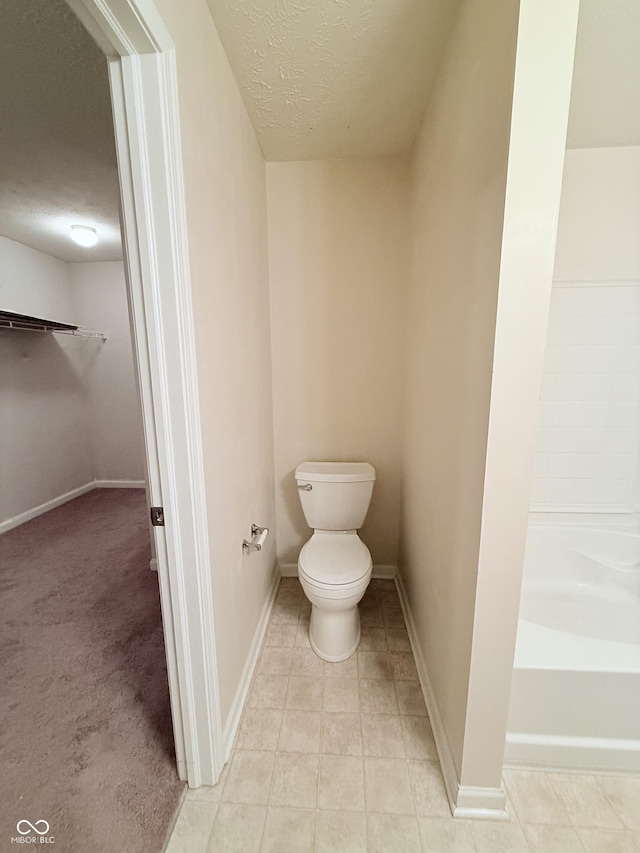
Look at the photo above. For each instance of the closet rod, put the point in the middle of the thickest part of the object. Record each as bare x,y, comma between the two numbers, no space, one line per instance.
26,327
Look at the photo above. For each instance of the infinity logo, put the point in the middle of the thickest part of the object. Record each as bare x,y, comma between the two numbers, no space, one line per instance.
32,827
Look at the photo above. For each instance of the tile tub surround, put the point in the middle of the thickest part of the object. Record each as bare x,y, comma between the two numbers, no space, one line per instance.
340,758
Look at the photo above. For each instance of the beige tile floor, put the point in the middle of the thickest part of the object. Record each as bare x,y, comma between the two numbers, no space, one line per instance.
340,757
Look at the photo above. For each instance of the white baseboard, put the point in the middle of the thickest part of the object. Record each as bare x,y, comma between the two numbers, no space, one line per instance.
449,771
480,803
235,714
119,484
384,572
23,517
153,564
464,801
380,571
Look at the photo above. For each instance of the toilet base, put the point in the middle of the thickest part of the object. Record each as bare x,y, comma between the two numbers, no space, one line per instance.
334,634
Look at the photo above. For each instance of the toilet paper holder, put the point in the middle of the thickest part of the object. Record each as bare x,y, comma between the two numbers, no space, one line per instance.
258,538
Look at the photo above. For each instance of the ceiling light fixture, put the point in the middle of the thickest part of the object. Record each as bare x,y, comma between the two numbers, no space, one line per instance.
83,235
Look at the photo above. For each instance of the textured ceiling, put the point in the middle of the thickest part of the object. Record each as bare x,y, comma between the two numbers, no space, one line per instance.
328,78
605,98
334,78
57,154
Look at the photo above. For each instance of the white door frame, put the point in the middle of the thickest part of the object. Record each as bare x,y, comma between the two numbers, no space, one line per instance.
144,93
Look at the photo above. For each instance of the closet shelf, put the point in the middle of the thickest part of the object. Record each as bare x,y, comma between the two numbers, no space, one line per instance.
10,320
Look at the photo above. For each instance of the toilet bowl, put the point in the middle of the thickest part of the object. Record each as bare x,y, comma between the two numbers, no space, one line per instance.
335,565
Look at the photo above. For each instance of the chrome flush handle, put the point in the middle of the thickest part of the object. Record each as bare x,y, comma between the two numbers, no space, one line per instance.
307,487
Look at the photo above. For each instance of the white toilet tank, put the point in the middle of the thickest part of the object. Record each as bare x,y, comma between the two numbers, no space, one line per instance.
335,495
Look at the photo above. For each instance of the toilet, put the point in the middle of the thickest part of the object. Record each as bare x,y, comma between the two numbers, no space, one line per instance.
335,566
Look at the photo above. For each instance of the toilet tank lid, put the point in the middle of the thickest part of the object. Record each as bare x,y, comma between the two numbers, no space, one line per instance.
335,472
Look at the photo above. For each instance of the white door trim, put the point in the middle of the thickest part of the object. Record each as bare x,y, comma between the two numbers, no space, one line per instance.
144,93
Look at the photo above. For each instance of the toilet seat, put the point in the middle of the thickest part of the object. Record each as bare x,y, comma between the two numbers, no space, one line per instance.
334,560
333,590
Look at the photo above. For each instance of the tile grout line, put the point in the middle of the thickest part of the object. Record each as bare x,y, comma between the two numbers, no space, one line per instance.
277,743
362,759
597,777
548,776
317,815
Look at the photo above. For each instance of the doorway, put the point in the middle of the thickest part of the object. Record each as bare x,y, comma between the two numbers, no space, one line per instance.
144,98
142,82
169,479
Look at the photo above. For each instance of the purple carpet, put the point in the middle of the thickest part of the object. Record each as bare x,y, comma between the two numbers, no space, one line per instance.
85,729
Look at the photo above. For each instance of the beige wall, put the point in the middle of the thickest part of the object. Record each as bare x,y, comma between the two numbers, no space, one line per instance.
71,413
338,254
226,217
45,434
536,153
108,373
487,175
459,174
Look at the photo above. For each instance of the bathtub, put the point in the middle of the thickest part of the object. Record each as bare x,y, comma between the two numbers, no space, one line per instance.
575,697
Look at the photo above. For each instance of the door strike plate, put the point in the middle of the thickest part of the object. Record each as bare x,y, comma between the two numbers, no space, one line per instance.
157,516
